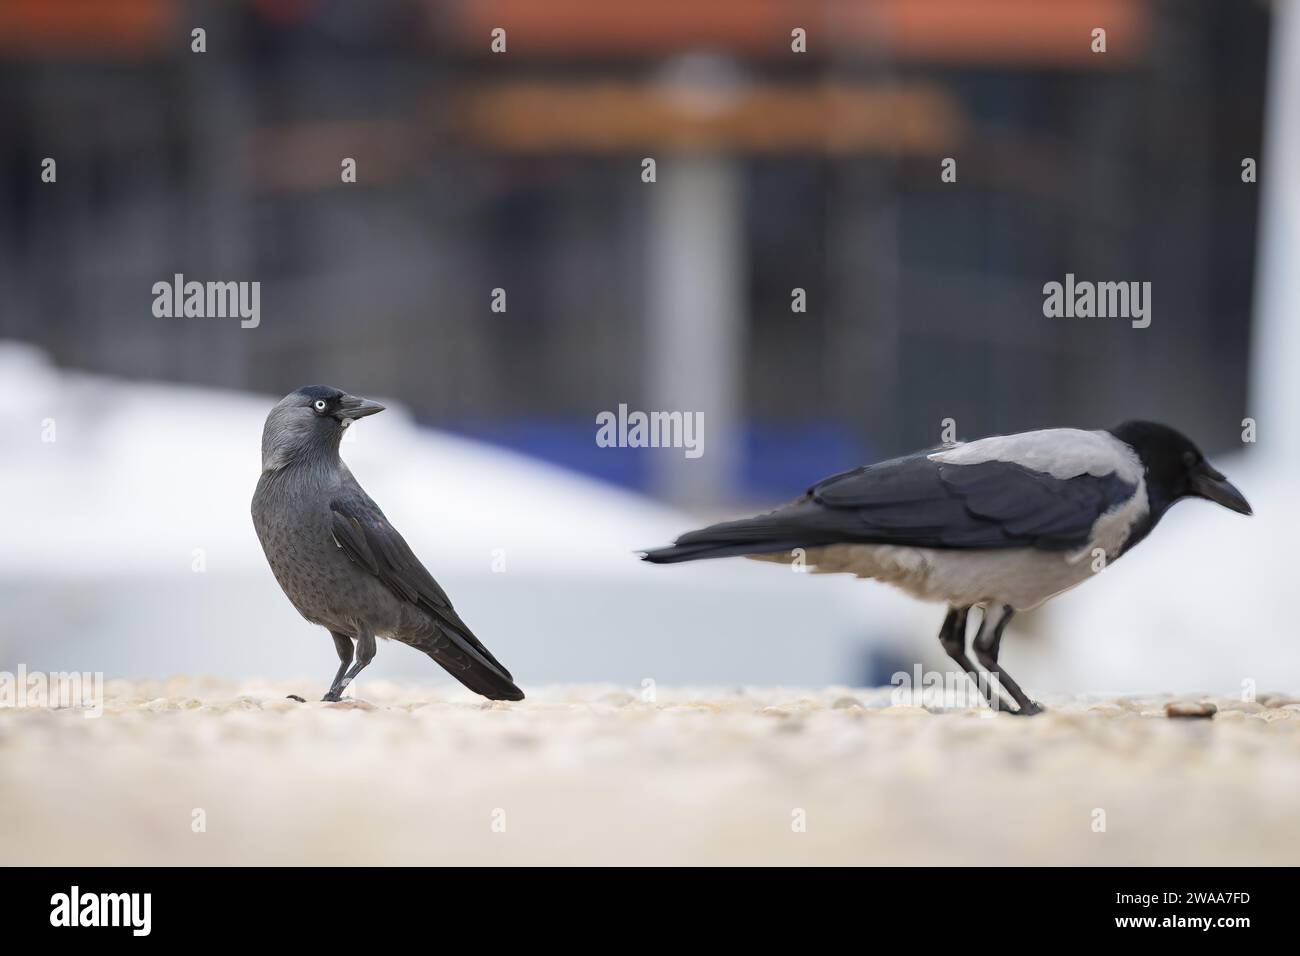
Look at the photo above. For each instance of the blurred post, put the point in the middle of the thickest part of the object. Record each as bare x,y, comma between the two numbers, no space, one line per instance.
1275,398
695,333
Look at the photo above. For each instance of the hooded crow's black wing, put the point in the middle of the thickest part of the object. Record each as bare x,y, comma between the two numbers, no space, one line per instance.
991,504
919,501
367,538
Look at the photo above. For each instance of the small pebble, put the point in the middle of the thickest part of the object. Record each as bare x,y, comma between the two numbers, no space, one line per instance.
1186,709
1279,700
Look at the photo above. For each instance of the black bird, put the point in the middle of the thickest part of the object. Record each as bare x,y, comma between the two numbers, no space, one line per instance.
340,562
1001,524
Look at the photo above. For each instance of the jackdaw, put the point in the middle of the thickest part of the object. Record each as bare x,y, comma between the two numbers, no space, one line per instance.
340,562
1001,524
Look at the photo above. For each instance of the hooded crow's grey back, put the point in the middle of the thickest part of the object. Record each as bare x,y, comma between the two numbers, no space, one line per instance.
339,560
1002,523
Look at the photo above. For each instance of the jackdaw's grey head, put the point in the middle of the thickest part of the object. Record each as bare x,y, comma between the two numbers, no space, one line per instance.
310,422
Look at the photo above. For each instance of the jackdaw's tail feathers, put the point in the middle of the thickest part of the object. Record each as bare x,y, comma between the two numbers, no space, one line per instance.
489,683
464,657
452,645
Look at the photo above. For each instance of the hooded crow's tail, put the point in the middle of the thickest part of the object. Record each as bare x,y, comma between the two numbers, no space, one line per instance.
779,531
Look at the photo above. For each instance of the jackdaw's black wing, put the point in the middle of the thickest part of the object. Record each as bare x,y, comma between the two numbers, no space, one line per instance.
373,544
919,501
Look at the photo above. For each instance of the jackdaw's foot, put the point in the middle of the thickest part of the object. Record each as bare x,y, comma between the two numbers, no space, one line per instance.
333,696
1028,709
301,700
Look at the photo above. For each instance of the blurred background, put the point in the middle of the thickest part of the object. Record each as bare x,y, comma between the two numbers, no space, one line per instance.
130,442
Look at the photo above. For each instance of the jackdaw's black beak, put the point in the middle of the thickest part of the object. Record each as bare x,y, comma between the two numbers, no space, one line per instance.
1210,484
351,407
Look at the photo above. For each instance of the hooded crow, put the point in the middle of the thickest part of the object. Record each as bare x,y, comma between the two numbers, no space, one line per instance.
340,562
1001,524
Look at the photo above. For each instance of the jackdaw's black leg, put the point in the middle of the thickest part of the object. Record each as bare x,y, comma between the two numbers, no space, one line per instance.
987,644
342,644
365,654
953,638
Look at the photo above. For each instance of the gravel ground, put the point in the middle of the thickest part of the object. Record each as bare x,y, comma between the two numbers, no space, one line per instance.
193,771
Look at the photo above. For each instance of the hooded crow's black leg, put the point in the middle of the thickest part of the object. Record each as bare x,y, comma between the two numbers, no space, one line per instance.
953,638
987,643
365,654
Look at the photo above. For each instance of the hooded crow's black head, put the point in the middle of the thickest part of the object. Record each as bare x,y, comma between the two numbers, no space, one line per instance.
1175,468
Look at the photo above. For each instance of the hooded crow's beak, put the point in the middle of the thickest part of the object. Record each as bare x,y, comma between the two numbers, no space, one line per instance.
1209,483
351,407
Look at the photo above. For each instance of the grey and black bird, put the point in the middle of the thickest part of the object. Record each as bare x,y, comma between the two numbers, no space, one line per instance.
340,562
1002,524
